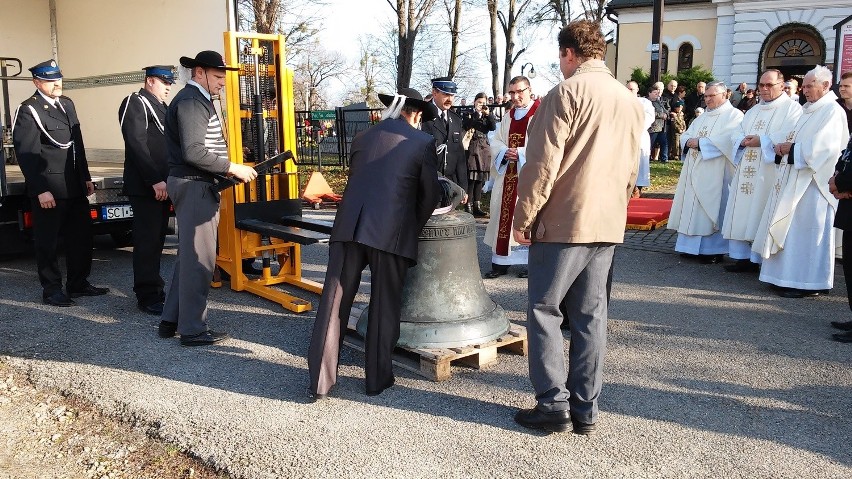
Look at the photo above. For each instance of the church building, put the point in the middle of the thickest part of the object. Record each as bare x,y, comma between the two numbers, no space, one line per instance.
735,39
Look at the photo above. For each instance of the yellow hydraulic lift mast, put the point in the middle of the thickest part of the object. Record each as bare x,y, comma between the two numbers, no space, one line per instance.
261,92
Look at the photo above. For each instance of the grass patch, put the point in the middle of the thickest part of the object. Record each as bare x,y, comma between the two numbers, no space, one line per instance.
664,176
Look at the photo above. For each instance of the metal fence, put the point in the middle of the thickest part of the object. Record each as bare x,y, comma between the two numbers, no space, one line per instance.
324,136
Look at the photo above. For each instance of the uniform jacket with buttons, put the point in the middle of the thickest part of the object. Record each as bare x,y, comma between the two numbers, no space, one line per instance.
46,165
146,160
452,163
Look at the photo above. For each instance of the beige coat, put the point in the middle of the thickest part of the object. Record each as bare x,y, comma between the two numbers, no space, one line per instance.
582,151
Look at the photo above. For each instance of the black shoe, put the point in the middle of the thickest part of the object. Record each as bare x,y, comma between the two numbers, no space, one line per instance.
556,421
710,258
843,337
477,211
583,428
154,309
203,339
57,299
742,266
88,290
314,397
843,326
524,273
167,329
496,271
800,293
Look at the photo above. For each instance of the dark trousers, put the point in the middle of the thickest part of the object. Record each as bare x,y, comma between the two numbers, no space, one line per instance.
661,138
846,248
150,222
576,277
474,191
345,263
69,219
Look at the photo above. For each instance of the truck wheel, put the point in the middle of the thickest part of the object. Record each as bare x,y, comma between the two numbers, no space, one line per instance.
122,238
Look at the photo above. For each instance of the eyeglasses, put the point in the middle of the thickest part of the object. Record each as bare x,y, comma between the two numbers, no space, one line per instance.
768,85
512,93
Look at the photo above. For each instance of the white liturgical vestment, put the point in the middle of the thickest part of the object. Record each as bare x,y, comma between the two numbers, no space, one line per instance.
795,235
702,189
644,177
755,174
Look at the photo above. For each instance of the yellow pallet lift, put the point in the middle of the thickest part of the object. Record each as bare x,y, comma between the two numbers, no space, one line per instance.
262,219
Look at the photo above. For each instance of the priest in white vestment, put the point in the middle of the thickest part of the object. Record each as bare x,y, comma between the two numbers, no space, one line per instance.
644,178
702,189
795,236
763,125
508,148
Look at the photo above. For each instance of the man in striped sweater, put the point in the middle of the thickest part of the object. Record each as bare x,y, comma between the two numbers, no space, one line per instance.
197,152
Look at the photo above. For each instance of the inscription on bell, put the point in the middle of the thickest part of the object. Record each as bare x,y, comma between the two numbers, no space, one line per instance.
447,232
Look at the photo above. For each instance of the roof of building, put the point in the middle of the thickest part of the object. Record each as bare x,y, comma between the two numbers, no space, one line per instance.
620,4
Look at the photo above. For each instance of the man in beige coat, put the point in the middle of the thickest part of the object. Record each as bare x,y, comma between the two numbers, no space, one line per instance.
572,208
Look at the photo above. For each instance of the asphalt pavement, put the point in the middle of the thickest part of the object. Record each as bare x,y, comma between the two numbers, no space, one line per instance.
708,374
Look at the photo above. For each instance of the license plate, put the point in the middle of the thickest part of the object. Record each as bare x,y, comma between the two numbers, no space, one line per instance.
116,212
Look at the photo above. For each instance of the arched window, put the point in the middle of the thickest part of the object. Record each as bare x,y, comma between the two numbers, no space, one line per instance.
684,57
664,58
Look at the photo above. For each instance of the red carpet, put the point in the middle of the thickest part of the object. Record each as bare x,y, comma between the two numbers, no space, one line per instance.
648,213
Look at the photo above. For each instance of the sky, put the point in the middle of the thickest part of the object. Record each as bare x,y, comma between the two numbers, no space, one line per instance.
346,20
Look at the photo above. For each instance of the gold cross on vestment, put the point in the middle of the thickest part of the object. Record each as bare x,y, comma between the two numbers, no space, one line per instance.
791,136
703,131
694,154
751,154
749,171
759,125
778,186
747,188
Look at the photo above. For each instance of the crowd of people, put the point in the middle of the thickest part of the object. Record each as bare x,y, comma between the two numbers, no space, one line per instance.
763,182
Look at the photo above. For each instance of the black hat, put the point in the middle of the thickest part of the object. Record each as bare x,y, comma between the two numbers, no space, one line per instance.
207,59
413,99
445,85
48,70
163,72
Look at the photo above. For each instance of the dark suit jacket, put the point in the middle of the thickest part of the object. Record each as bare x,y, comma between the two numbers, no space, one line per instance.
843,181
392,189
46,166
146,160
453,163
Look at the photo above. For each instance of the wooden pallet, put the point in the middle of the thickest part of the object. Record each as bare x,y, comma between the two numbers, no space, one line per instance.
435,364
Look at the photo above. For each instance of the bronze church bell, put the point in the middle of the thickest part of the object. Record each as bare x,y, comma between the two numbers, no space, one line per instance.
444,303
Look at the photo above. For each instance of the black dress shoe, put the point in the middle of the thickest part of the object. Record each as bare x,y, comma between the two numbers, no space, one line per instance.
556,421
495,273
524,273
710,258
742,266
155,309
203,339
167,329
314,397
88,290
843,326
843,337
799,293
57,299
583,428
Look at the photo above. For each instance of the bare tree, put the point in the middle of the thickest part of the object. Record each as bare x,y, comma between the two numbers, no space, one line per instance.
294,19
554,12
492,53
312,73
454,10
411,15
509,23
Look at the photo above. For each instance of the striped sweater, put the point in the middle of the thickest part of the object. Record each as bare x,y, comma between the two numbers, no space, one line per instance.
194,136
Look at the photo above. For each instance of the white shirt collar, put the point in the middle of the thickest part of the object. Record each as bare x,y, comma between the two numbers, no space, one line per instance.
48,99
203,90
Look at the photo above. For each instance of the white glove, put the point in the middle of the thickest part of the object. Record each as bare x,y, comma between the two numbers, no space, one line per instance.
487,186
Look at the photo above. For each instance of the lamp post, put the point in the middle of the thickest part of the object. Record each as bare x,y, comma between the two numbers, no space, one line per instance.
532,70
